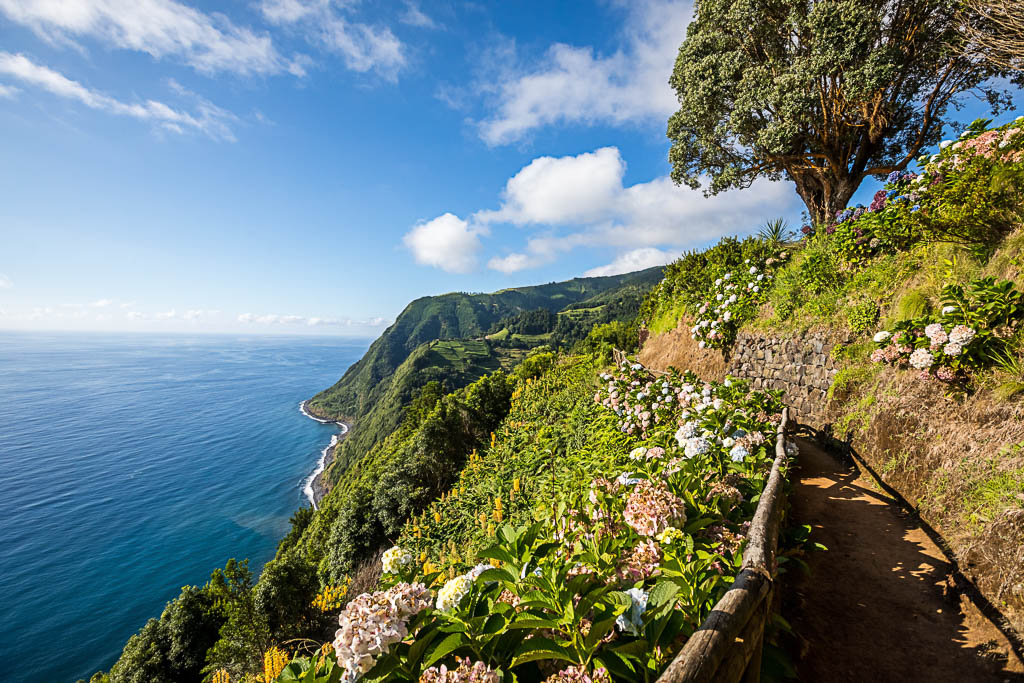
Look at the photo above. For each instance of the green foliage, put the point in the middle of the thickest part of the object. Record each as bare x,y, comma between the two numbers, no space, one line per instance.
862,316
245,635
688,279
284,594
823,93
441,339
913,304
411,467
603,339
974,191
172,648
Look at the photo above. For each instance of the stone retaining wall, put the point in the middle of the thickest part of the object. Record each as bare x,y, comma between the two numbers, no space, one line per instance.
801,366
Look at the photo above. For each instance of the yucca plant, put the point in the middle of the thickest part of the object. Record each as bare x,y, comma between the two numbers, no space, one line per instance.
776,232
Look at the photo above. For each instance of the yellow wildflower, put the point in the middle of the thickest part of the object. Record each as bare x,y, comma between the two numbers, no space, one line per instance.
274,661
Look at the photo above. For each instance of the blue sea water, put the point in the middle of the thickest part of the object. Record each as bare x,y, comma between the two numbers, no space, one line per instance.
132,465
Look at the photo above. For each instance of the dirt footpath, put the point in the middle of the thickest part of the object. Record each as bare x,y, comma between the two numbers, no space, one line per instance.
880,603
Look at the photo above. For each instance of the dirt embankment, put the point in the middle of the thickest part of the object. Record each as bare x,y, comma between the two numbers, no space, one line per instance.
677,348
959,463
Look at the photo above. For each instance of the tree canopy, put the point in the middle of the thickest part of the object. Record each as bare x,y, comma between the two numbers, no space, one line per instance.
822,92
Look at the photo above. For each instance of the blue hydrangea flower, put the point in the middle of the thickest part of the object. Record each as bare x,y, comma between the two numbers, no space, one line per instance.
915,208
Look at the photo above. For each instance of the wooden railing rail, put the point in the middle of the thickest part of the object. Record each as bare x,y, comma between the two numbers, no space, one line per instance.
726,648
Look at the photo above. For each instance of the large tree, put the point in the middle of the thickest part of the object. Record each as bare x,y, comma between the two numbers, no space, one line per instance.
822,92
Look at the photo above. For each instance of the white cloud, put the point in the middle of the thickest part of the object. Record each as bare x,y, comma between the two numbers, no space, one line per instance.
637,259
166,315
101,303
160,28
5,282
208,118
513,263
197,313
128,304
135,315
576,85
446,242
580,201
275,319
8,91
414,16
362,47
564,190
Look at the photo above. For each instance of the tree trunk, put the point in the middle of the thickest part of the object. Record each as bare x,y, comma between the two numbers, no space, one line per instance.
824,198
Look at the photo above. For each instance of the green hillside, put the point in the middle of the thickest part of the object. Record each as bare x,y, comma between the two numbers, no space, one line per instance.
442,339
453,316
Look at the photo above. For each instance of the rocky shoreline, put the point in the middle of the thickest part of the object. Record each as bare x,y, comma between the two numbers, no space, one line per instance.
317,486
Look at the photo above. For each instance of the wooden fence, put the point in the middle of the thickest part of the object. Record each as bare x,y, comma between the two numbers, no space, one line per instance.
727,646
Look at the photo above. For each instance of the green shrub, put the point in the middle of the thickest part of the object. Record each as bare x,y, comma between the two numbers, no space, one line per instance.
862,316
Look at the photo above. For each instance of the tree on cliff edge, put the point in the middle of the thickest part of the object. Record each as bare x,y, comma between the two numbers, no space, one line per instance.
822,92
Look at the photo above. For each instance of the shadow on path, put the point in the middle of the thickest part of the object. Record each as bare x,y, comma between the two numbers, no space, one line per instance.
881,603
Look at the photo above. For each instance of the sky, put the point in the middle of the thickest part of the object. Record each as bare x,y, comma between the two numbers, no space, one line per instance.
311,166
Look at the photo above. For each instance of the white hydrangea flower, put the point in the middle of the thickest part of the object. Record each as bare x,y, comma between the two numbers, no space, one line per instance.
728,442
696,445
922,359
637,453
953,349
753,269
394,559
738,453
631,621
961,334
882,336
451,594
945,143
701,344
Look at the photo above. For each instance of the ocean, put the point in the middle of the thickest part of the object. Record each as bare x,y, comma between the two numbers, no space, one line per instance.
132,465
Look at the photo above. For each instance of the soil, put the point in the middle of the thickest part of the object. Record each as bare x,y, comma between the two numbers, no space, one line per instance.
882,603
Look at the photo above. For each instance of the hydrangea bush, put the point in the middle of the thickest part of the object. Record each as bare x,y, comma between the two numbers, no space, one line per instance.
974,323
963,194
609,579
733,300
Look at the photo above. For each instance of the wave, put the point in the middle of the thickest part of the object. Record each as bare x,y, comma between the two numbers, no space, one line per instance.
302,409
321,464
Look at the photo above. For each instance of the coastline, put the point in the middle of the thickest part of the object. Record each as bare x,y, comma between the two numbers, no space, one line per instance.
313,487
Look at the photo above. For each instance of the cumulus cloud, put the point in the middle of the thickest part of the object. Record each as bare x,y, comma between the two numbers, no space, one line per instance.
101,303
361,46
207,119
8,91
573,84
446,242
160,28
564,190
637,259
580,201
5,282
